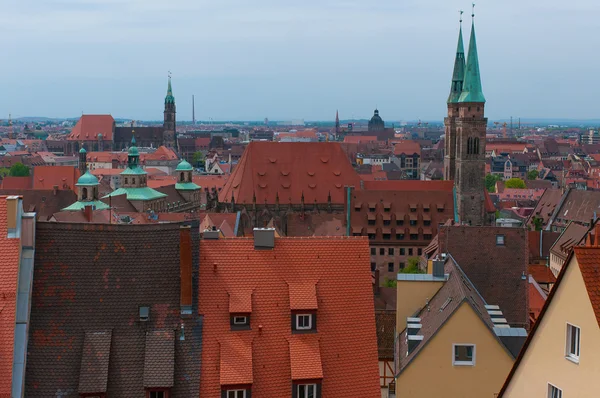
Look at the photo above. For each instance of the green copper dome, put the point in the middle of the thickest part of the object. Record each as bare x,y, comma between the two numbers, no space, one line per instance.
87,179
133,151
82,150
184,166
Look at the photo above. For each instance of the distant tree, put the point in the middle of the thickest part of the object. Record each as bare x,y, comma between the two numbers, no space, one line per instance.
198,159
533,175
19,170
4,171
515,183
537,223
387,282
412,266
490,182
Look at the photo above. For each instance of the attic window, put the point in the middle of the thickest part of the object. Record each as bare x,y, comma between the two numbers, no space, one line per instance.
499,240
463,355
144,313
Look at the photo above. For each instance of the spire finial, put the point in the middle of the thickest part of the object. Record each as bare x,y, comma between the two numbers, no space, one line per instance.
460,13
473,10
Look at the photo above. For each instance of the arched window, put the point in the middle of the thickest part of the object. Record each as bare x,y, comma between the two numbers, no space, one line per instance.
182,177
133,181
469,145
126,182
84,194
476,146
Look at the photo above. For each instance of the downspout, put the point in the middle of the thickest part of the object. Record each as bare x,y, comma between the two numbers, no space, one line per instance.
348,190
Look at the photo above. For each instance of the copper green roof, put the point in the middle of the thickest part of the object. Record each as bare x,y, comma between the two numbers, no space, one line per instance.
184,166
82,150
169,99
187,186
80,205
133,151
133,171
144,193
87,179
472,91
459,71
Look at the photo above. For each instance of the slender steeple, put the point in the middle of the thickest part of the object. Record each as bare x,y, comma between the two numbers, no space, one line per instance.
169,99
472,91
458,76
169,124
337,123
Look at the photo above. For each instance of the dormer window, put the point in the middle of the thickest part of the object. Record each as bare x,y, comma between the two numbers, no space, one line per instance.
303,321
236,394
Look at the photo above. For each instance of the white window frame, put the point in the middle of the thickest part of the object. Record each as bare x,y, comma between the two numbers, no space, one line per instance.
235,320
573,357
559,392
463,363
500,237
235,392
306,387
298,327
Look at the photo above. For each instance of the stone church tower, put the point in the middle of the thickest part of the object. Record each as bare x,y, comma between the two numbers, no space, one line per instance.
169,133
469,126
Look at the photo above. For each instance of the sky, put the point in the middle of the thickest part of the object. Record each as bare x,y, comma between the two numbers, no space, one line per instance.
291,59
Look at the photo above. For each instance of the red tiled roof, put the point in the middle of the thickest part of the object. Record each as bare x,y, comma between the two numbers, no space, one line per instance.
162,153
89,126
46,177
240,300
201,142
588,259
305,357
348,354
409,185
359,139
541,273
8,291
16,183
303,296
290,170
407,147
537,298
235,360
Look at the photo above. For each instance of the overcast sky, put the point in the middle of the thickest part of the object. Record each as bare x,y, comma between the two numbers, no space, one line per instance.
283,59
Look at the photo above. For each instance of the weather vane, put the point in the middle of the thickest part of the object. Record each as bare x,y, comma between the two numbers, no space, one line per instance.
461,13
473,11
170,71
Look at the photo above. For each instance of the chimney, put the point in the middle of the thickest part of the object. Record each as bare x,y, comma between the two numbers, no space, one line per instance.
88,212
376,289
212,234
185,268
264,238
12,209
438,268
55,190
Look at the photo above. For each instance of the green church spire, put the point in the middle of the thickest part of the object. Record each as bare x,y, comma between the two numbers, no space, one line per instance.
169,99
458,75
472,91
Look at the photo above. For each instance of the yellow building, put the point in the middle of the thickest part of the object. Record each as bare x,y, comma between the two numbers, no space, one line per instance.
452,343
552,363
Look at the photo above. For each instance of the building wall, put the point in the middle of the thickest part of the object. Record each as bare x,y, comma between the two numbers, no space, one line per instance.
411,296
545,360
431,373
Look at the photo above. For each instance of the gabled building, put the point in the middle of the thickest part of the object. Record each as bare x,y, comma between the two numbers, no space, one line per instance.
274,311
115,312
561,356
17,241
448,328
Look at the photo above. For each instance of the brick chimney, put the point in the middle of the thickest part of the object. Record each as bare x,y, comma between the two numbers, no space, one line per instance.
88,212
185,267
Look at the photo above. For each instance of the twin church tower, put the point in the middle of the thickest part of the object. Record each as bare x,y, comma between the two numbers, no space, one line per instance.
465,131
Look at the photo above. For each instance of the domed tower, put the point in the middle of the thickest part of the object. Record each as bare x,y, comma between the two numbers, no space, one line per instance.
376,123
87,194
185,186
82,164
169,125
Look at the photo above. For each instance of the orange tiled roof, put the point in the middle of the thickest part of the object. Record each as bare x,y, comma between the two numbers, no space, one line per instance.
407,147
348,354
359,139
541,273
235,360
303,296
46,177
89,126
290,170
588,259
305,356
16,183
8,290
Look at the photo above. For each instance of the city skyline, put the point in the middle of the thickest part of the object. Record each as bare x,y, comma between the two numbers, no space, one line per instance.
293,62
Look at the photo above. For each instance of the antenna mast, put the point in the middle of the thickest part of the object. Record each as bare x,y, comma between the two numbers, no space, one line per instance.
193,111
